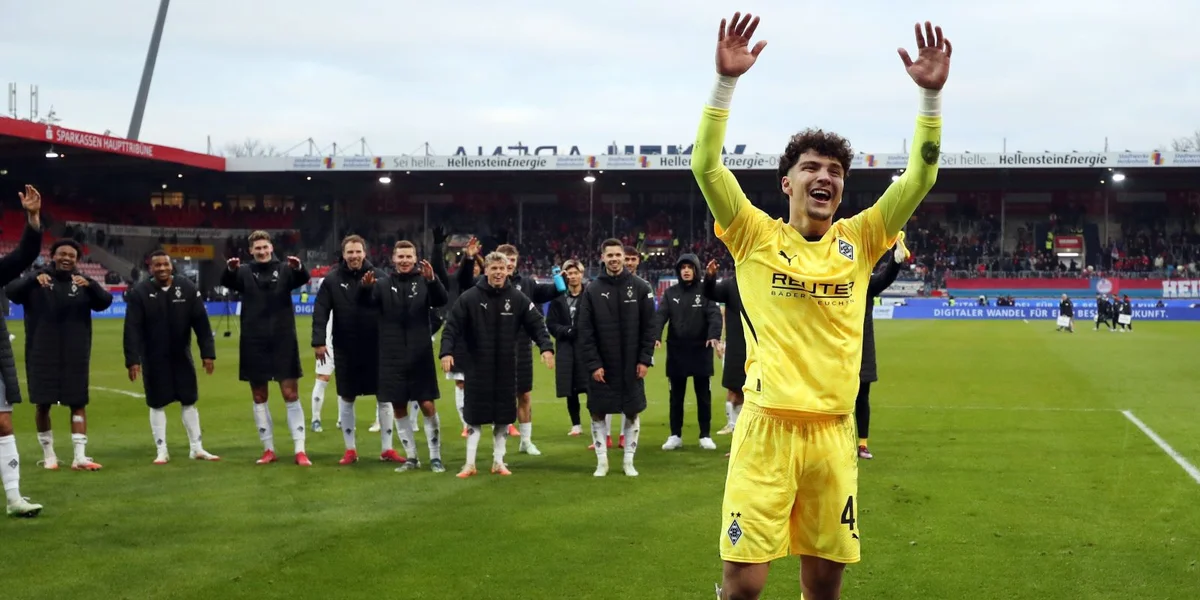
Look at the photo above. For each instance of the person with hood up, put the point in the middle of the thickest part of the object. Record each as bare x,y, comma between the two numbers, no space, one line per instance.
695,330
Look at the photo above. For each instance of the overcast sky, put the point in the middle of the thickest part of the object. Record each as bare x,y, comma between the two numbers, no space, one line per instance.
1045,74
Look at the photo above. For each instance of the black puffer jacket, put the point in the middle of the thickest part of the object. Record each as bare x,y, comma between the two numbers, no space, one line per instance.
616,333
693,321
406,302
570,375
158,336
355,329
484,324
11,267
267,349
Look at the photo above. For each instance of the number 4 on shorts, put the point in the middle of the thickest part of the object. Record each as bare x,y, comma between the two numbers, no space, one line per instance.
848,513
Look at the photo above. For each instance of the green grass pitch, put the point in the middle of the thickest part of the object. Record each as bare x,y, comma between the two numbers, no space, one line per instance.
1004,469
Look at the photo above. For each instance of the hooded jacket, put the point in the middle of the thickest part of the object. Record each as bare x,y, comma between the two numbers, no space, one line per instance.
693,319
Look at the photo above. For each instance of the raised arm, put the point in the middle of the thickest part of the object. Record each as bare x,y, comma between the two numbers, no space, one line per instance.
543,293
929,72
19,290
30,245
721,191
438,260
231,276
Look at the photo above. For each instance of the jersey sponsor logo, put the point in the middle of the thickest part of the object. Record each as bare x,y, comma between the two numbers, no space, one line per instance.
846,249
826,294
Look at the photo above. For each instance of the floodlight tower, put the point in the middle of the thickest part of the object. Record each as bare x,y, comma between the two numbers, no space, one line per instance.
139,106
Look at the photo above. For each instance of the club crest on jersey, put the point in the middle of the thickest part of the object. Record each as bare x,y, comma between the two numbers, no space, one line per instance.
507,305
696,301
629,292
846,249
178,293
734,531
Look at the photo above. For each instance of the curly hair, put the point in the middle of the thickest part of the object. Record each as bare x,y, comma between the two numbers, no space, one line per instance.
824,143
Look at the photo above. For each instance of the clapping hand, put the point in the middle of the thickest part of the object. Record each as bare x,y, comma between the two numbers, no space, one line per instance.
369,278
293,262
426,270
234,263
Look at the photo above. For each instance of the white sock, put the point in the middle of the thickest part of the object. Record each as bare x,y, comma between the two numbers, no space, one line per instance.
387,421
79,440
46,439
729,412
473,433
10,468
346,415
158,428
407,441
526,430
632,429
433,435
458,404
500,442
607,425
623,424
266,426
295,419
599,431
191,424
737,410
414,410
318,399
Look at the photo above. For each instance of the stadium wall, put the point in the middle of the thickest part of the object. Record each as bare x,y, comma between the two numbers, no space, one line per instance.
1074,287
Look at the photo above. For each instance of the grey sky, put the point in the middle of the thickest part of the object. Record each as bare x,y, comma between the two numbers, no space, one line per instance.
1046,74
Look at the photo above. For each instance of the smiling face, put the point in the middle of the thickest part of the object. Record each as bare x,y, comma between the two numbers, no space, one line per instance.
497,273
614,258
354,254
404,259
162,269
632,260
65,258
262,250
814,186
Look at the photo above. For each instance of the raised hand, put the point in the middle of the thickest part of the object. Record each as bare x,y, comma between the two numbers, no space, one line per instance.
79,280
710,270
426,270
473,247
43,280
932,66
734,54
439,235
234,263
369,278
293,262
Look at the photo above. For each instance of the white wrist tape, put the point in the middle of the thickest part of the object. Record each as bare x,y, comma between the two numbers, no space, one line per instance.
722,94
931,103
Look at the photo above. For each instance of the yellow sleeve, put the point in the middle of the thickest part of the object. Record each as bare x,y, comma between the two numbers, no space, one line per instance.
738,223
901,199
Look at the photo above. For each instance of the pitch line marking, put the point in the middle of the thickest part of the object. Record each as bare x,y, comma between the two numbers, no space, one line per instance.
1001,408
1176,456
116,391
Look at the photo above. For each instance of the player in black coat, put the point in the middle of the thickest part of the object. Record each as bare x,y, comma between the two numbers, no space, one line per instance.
1124,308
268,350
867,373
355,344
469,269
407,298
1105,312
1066,315
695,330
733,351
484,323
540,294
160,315
571,376
616,325
58,303
11,267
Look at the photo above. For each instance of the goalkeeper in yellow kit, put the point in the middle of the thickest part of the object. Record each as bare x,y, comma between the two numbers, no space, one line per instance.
792,483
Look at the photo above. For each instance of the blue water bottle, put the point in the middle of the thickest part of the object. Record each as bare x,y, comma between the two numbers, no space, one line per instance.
560,284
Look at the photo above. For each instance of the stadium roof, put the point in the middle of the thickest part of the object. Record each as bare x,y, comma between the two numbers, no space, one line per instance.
28,144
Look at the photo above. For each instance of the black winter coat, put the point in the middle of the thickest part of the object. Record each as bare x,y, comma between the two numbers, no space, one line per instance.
484,324
406,301
58,335
464,279
616,326
158,336
355,329
11,267
268,349
879,282
694,320
539,294
725,291
570,374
